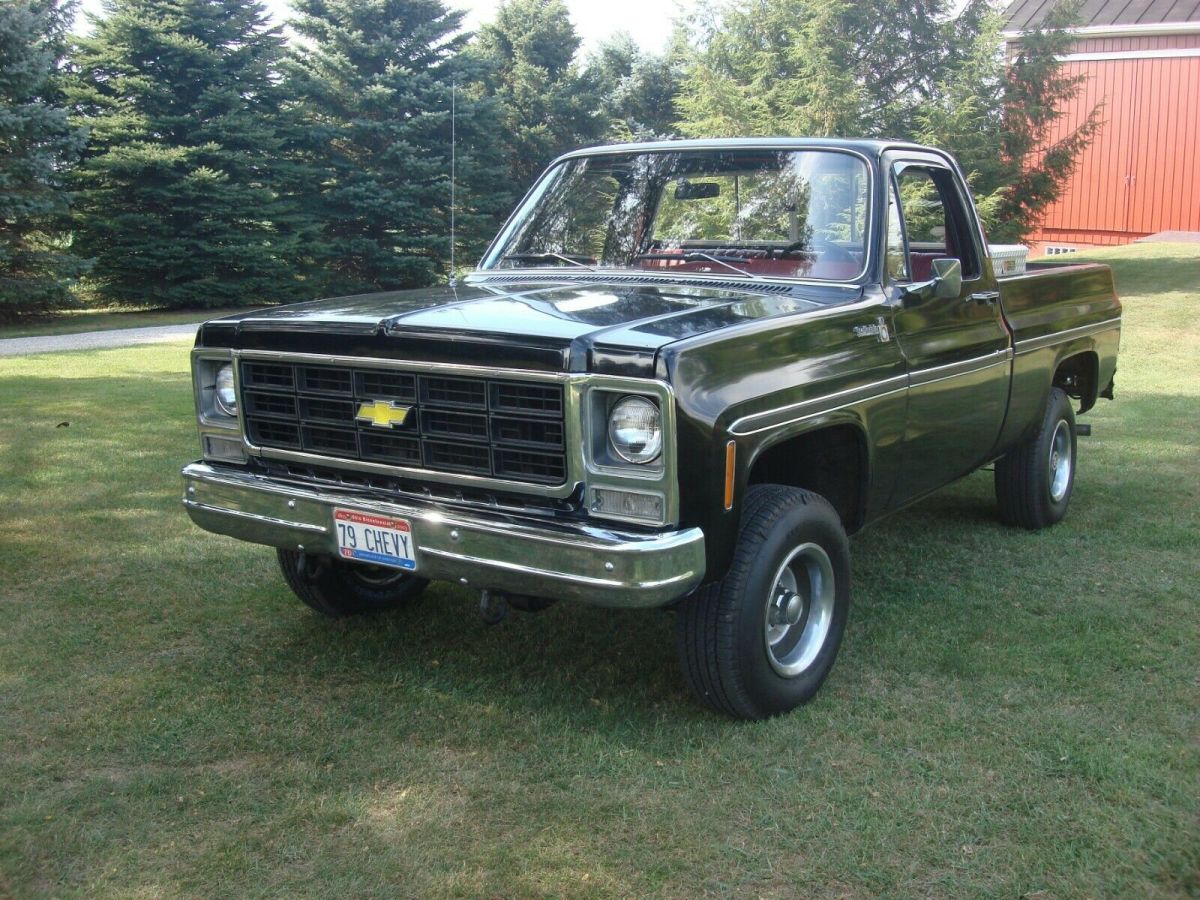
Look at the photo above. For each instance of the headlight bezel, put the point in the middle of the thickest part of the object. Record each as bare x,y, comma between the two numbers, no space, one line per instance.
206,363
607,471
599,402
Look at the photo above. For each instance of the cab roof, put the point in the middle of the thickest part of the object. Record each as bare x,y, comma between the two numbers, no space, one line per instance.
866,147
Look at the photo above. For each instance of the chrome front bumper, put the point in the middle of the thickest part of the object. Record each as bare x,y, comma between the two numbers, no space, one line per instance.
592,565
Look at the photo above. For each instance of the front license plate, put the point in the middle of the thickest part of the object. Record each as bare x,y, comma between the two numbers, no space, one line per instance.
380,540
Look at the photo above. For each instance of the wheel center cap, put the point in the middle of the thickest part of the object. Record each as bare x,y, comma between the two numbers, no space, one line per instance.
1054,460
793,608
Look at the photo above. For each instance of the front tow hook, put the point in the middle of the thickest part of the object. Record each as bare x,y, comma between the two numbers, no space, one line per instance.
493,608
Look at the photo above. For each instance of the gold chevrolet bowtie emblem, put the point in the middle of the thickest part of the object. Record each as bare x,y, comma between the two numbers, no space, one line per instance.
382,414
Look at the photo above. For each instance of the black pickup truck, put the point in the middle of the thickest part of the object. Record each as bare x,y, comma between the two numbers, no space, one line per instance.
682,373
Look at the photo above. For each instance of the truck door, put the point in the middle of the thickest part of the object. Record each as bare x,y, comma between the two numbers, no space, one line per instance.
957,349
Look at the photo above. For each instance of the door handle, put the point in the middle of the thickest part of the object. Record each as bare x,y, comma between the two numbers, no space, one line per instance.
985,297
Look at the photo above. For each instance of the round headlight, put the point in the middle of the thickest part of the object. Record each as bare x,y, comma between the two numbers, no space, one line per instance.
635,430
223,391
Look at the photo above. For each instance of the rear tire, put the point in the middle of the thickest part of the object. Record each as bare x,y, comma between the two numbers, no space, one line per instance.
1034,481
338,589
762,640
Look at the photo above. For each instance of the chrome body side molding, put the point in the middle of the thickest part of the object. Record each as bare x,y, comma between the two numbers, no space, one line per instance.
1028,345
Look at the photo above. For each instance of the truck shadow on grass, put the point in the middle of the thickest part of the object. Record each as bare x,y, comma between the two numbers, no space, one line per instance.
591,664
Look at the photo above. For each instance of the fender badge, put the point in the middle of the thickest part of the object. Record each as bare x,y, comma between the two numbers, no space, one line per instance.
879,329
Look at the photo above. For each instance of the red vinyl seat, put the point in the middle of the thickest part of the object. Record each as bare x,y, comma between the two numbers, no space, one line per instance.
922,264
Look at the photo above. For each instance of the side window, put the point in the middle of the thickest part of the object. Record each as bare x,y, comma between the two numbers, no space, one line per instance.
935,221
897,258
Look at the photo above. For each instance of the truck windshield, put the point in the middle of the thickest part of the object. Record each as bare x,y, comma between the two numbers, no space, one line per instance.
750,213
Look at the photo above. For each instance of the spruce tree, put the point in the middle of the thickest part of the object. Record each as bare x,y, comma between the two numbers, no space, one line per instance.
819,67
37,144
1036,89
375,81
548,105
999,118
636,89
183,191
907,69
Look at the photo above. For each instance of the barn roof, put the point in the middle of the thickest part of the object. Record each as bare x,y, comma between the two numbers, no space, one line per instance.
1023,15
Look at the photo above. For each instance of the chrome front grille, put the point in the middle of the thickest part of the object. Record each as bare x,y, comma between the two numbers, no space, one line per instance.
466,425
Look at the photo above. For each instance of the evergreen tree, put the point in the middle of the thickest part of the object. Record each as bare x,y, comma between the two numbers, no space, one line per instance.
183,188
374,80
818,67
37,144
905,69
999,117
549,106
1035,91
636,90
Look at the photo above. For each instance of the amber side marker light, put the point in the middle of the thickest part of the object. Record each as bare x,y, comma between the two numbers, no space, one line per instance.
730,460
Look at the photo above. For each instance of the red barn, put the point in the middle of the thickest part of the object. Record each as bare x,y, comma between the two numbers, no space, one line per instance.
1141,174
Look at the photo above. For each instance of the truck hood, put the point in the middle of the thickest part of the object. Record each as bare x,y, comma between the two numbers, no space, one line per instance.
566,325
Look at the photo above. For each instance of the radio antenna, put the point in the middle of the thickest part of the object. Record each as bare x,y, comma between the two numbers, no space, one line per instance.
453,163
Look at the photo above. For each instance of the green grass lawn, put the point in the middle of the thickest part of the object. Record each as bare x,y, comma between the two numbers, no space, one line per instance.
75,321
1013,714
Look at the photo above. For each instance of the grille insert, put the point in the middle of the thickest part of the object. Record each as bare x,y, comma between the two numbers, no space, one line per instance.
334,441
318,409
457,458
325,380
488,427
468,392
385,385
388,448
260,403
268,375
527,432
470,426
266,433
548,467
530,399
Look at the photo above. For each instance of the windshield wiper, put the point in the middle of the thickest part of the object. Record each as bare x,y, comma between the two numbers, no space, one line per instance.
549,255
694,256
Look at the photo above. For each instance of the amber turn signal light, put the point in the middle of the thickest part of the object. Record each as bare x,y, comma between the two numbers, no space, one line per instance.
730,467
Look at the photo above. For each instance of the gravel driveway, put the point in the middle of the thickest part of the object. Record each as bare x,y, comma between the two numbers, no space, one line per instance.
96,340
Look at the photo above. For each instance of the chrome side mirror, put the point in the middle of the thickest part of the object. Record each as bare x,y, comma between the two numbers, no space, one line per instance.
947,278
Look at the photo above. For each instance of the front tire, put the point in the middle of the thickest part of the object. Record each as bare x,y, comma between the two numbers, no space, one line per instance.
1034,481
338,589
762,640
